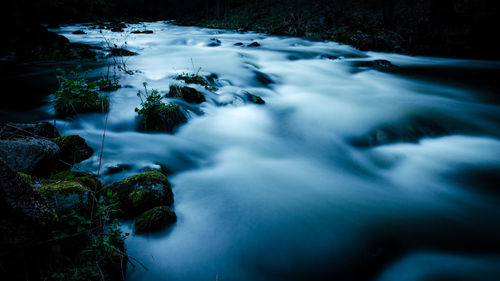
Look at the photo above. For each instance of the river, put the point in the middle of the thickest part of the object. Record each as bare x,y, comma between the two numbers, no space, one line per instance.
348,172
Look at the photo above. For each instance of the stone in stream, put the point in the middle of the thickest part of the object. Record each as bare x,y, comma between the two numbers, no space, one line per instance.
154,219
186,93
255,99
74,149
254,44
78,32
142,32
142,192
380,65
120,52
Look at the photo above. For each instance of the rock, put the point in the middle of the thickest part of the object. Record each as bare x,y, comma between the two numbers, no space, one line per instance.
255,99
74,149
186,93
120,52
39,129
30,155
162,119
254,44
19,196
116,29
154,219
380,65
78,32
142,32
142,192
238,44
263,78
66,196
215,43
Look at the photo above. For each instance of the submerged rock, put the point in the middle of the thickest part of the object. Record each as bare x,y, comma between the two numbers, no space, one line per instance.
39,129
143,191
186,93
215,43
154,219
254,44
74,149
405,131
30,155
78,32
380,65
142,32
255,99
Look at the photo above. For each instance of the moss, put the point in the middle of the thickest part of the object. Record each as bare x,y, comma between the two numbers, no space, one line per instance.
186,93
162,119
142,191
74,149
154,219
88,180
62,187
26,178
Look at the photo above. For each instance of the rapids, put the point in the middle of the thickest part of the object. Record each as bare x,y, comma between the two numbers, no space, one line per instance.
308,186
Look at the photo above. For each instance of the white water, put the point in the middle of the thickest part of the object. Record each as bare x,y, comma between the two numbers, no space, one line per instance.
278,192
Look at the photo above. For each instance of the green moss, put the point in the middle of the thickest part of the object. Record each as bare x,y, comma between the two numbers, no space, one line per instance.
62,187
141,192
26,178
105,84
154,219
88,180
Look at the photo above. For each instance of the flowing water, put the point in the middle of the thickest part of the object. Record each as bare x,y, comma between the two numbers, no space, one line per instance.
346,173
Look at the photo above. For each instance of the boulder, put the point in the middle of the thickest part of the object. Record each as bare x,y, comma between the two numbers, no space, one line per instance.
186,93
74,149
254,44
142,192
154,219
39,129
30,155
88,180
67,196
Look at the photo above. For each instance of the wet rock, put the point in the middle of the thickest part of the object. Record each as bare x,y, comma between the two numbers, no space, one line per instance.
120,52
142,32
74,149
154,219
255,99
254,44
380,65
78,32
238,44
142,192
30,155
18,130
164,118
263,78
215,43
115,169
186,93
115,29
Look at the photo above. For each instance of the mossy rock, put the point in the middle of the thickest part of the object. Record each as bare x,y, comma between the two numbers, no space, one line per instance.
154,219
142,192
74,149
26,178
88,180
163,118
186,93
67,196
67,108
